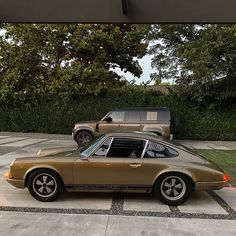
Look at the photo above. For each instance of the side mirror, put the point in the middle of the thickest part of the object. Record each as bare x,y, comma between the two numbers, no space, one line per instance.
108,119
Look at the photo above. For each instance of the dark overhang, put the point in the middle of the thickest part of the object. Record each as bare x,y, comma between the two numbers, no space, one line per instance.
115,11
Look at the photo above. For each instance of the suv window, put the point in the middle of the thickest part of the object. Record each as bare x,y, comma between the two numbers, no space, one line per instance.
152,115
126,147
132,116
163,115
117,116
157,150
159,115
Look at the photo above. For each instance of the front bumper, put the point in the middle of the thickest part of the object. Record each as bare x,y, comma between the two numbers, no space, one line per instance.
18,183
211,185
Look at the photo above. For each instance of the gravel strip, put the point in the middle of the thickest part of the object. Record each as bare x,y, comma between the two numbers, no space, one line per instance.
174,210
222,203
117,209
117,204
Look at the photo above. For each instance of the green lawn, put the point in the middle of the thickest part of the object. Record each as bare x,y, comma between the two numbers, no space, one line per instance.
224,159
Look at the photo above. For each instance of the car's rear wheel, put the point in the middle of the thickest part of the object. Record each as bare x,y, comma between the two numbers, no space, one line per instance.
83,138
173,189
44,185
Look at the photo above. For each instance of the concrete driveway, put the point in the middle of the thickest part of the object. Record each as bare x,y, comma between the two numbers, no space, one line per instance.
205,213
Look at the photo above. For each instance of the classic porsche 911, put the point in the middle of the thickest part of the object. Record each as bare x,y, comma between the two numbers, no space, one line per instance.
124,162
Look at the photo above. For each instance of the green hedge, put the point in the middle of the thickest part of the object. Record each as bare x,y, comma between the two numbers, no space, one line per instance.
58,115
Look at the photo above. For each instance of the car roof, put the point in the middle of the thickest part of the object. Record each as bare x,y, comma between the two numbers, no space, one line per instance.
147,135
138,134
142,109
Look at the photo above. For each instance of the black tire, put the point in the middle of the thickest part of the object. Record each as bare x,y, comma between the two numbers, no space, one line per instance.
83,138
173,189
45,185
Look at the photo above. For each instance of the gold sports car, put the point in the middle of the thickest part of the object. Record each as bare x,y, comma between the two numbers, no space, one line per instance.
124,162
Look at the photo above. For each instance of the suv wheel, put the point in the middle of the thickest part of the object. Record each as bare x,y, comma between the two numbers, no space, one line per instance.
44,185
83,138
173,189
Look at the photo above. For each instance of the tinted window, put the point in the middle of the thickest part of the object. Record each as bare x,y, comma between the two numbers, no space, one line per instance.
132,116
125,147
163,115
157,150
117,116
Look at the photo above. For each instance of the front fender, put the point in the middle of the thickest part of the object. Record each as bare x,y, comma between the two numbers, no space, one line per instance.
36,167
83,128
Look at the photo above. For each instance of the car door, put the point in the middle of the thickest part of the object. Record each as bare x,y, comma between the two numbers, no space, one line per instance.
117,162
132,121
105,126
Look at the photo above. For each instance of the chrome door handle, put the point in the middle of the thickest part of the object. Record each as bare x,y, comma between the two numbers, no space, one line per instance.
135,165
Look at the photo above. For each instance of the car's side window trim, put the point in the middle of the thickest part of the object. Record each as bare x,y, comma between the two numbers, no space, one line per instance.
144,149
146,141
109,146
160,143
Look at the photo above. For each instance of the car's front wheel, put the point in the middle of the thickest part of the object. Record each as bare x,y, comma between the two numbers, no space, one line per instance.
44,185
173,189
83,138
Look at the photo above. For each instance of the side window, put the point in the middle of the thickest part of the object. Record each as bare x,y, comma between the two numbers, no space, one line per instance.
164,116
157,150
117,116
126,148
132,116
151,115
102,150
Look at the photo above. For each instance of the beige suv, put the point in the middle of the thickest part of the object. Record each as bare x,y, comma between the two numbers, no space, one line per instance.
155,119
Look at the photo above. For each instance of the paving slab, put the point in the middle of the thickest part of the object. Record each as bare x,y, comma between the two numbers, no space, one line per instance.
11,196
11,139
5,150
1,136
198,144
23,143
201,202
217,147
228,195
144,202
151,226
28,224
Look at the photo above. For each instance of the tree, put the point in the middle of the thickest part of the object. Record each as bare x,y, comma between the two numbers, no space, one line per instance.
201,59
67,58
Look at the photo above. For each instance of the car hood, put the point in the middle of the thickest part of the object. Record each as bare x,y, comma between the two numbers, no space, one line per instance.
56,150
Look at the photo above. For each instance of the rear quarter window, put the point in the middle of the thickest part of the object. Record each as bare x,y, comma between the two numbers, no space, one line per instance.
158,150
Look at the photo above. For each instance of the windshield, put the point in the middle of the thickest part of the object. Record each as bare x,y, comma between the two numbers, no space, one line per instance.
87,150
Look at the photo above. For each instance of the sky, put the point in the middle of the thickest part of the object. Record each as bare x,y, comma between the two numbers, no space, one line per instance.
145,64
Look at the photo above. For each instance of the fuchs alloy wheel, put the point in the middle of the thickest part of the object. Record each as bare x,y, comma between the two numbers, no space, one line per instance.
173,189
44,185
83,138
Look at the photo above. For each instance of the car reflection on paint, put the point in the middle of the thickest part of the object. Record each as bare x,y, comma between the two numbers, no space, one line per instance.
118,162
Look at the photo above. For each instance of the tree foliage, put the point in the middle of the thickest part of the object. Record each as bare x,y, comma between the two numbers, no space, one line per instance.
200,58
67,58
